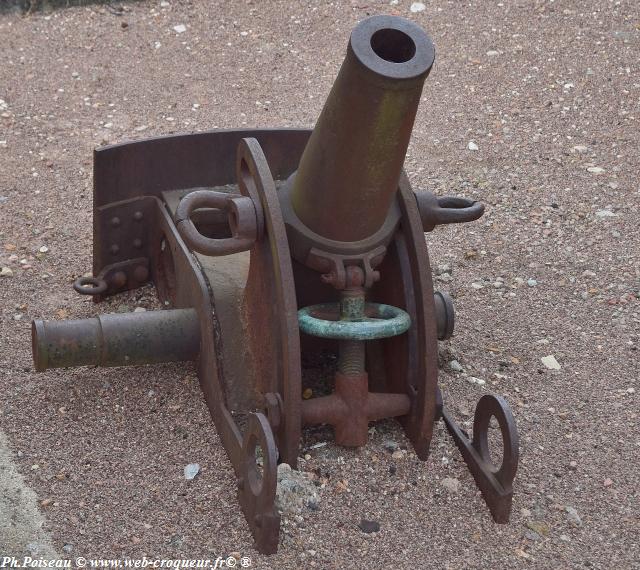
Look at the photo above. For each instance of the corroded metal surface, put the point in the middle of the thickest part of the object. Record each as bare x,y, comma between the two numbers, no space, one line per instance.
363,131
240,248
120,339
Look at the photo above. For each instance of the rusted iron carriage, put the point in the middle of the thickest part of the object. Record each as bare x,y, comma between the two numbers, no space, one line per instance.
269,246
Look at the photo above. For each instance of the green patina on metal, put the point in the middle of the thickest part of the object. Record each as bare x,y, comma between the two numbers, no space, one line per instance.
352,308
389,321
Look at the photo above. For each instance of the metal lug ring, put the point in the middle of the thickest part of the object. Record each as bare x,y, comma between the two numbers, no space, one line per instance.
262,486
90,286
435,211
496,406
382,321
242,221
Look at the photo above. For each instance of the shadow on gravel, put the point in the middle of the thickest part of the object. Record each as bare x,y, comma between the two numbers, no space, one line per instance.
29,6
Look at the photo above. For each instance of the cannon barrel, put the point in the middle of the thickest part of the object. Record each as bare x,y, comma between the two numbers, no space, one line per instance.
117,339
349,171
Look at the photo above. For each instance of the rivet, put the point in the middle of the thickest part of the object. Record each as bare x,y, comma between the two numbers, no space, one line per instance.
115,221
141,274
137,243
119,279
114,249
137,216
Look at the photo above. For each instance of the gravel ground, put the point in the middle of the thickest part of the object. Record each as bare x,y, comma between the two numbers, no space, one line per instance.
532,107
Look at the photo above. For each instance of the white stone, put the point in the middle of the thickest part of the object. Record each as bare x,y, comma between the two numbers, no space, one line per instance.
472,146
550,362
180,28
476,381
417,7
595,170
191,470
450,484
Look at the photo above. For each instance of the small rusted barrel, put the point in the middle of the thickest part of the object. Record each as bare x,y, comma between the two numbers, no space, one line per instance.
127,339
349,171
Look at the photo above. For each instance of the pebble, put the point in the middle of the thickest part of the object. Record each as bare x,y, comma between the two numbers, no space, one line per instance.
550,362
390,445
595,170
532,282
477,381
588,273
573,517
295,490
191,470
455,366
164,4
451,484
139,310
417,7
68,548
605,214
368,527
43,249
493,53
472,146
397,454
6,272
444,268
530,535
180,28
573,465
538,527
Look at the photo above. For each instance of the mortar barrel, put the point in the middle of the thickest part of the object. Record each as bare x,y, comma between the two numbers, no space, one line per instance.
125,339
349,171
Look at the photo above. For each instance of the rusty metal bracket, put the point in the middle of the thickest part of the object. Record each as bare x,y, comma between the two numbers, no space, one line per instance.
114,278
495,481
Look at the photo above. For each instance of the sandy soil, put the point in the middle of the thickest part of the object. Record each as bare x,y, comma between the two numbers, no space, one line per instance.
548,92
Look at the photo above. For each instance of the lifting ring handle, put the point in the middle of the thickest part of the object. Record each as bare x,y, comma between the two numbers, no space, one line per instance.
241,213
435,211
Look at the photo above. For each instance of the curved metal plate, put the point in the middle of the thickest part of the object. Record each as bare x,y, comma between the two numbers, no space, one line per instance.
270,301
410,361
